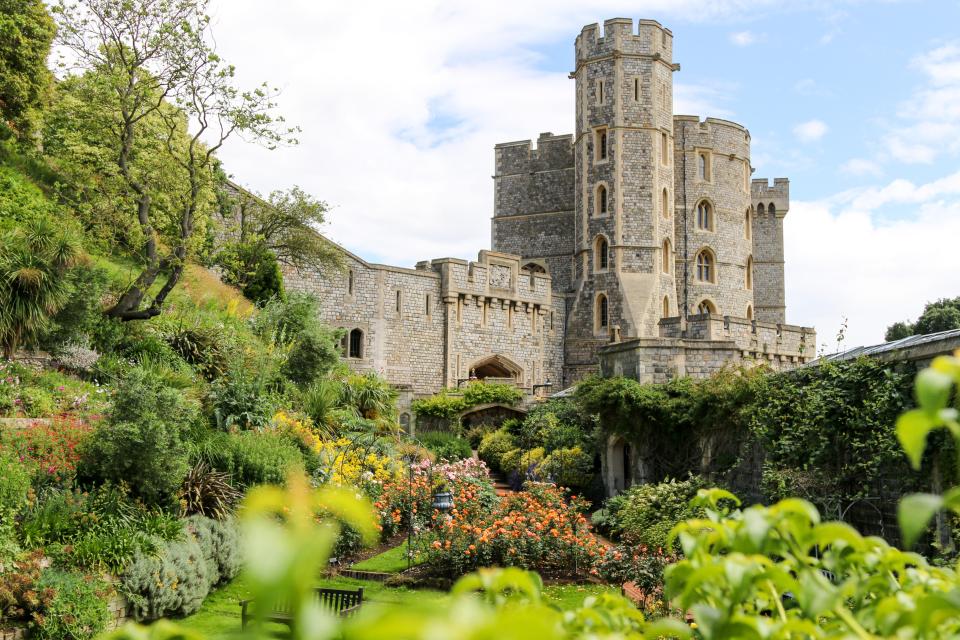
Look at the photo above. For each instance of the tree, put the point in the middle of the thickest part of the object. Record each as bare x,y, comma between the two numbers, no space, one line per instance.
34,261
942,315
286,223
26,33
252,268
148,54
898,331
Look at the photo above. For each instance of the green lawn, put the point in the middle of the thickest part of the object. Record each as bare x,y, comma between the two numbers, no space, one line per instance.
391,561
220,613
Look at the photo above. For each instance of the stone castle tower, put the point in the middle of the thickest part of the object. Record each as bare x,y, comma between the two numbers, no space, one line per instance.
637,246
641,216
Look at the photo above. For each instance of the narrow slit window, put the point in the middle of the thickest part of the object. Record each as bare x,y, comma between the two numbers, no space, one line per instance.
399,301
429,310
350,282
636,89
664,148
600,92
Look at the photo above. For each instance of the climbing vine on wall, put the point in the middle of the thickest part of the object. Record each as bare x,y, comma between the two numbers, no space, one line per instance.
448,404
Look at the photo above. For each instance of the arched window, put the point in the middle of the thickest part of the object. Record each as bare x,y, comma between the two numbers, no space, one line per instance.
600,144
706,270
601,200
603,312
705,216
602,256
666,256
772,209
749,312
706,307
356,344
703,166
665,203
666,307
760,209
747,225
749,273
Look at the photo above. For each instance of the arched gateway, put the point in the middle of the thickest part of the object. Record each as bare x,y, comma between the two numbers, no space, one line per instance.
496,368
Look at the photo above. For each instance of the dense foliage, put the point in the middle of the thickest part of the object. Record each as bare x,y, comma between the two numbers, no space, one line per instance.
819,432
448,404
26,33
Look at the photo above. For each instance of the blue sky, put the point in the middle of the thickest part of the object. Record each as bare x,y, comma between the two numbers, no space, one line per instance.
856,101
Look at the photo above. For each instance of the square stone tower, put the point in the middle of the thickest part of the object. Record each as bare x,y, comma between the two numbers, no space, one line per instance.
624,173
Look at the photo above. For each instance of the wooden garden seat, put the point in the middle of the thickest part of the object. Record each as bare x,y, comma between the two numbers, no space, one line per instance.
343,602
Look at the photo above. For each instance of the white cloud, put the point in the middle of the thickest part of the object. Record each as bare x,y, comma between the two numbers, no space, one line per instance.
810,131
929,119
842,261
744,38
861,167
402,103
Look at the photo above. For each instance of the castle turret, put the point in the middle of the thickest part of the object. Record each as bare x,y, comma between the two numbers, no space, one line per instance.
713,224
770,205
624,185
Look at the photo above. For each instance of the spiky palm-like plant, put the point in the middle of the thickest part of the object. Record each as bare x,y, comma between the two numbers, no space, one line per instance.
34,285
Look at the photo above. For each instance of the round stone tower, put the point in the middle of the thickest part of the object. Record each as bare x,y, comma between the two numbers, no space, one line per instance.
625,242
714,222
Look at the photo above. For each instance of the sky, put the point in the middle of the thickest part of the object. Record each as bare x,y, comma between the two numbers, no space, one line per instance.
401,103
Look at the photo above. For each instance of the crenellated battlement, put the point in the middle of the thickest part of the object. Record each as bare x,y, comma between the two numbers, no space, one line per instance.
552,152
650,38
778,194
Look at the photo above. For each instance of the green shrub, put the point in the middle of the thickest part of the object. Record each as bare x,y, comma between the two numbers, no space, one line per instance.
173,582
8,399
281,321
73,606
320,400
475,433
36,402
510,461
494,446
477,393
313,353
651,511
78,322
14,485
100,530
253,457
142,444
253,268
446,446
202,347
219,541
441,405
571,468
242,399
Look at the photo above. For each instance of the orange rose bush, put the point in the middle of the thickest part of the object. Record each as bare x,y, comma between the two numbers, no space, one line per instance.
538,528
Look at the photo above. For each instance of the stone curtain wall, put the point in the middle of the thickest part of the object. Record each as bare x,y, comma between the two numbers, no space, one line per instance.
534,204
406,346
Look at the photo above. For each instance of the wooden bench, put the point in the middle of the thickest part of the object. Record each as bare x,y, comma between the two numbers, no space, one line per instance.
342,602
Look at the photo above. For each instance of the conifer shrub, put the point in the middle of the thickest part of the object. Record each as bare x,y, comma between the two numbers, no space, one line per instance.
143,443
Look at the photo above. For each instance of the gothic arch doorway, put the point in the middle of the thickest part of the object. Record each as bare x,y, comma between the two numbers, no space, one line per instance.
496,367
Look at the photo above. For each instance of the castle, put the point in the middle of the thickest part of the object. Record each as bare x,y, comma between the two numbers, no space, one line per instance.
639,245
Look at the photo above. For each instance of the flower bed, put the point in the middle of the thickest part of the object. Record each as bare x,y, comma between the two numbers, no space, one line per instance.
534,529
48,447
